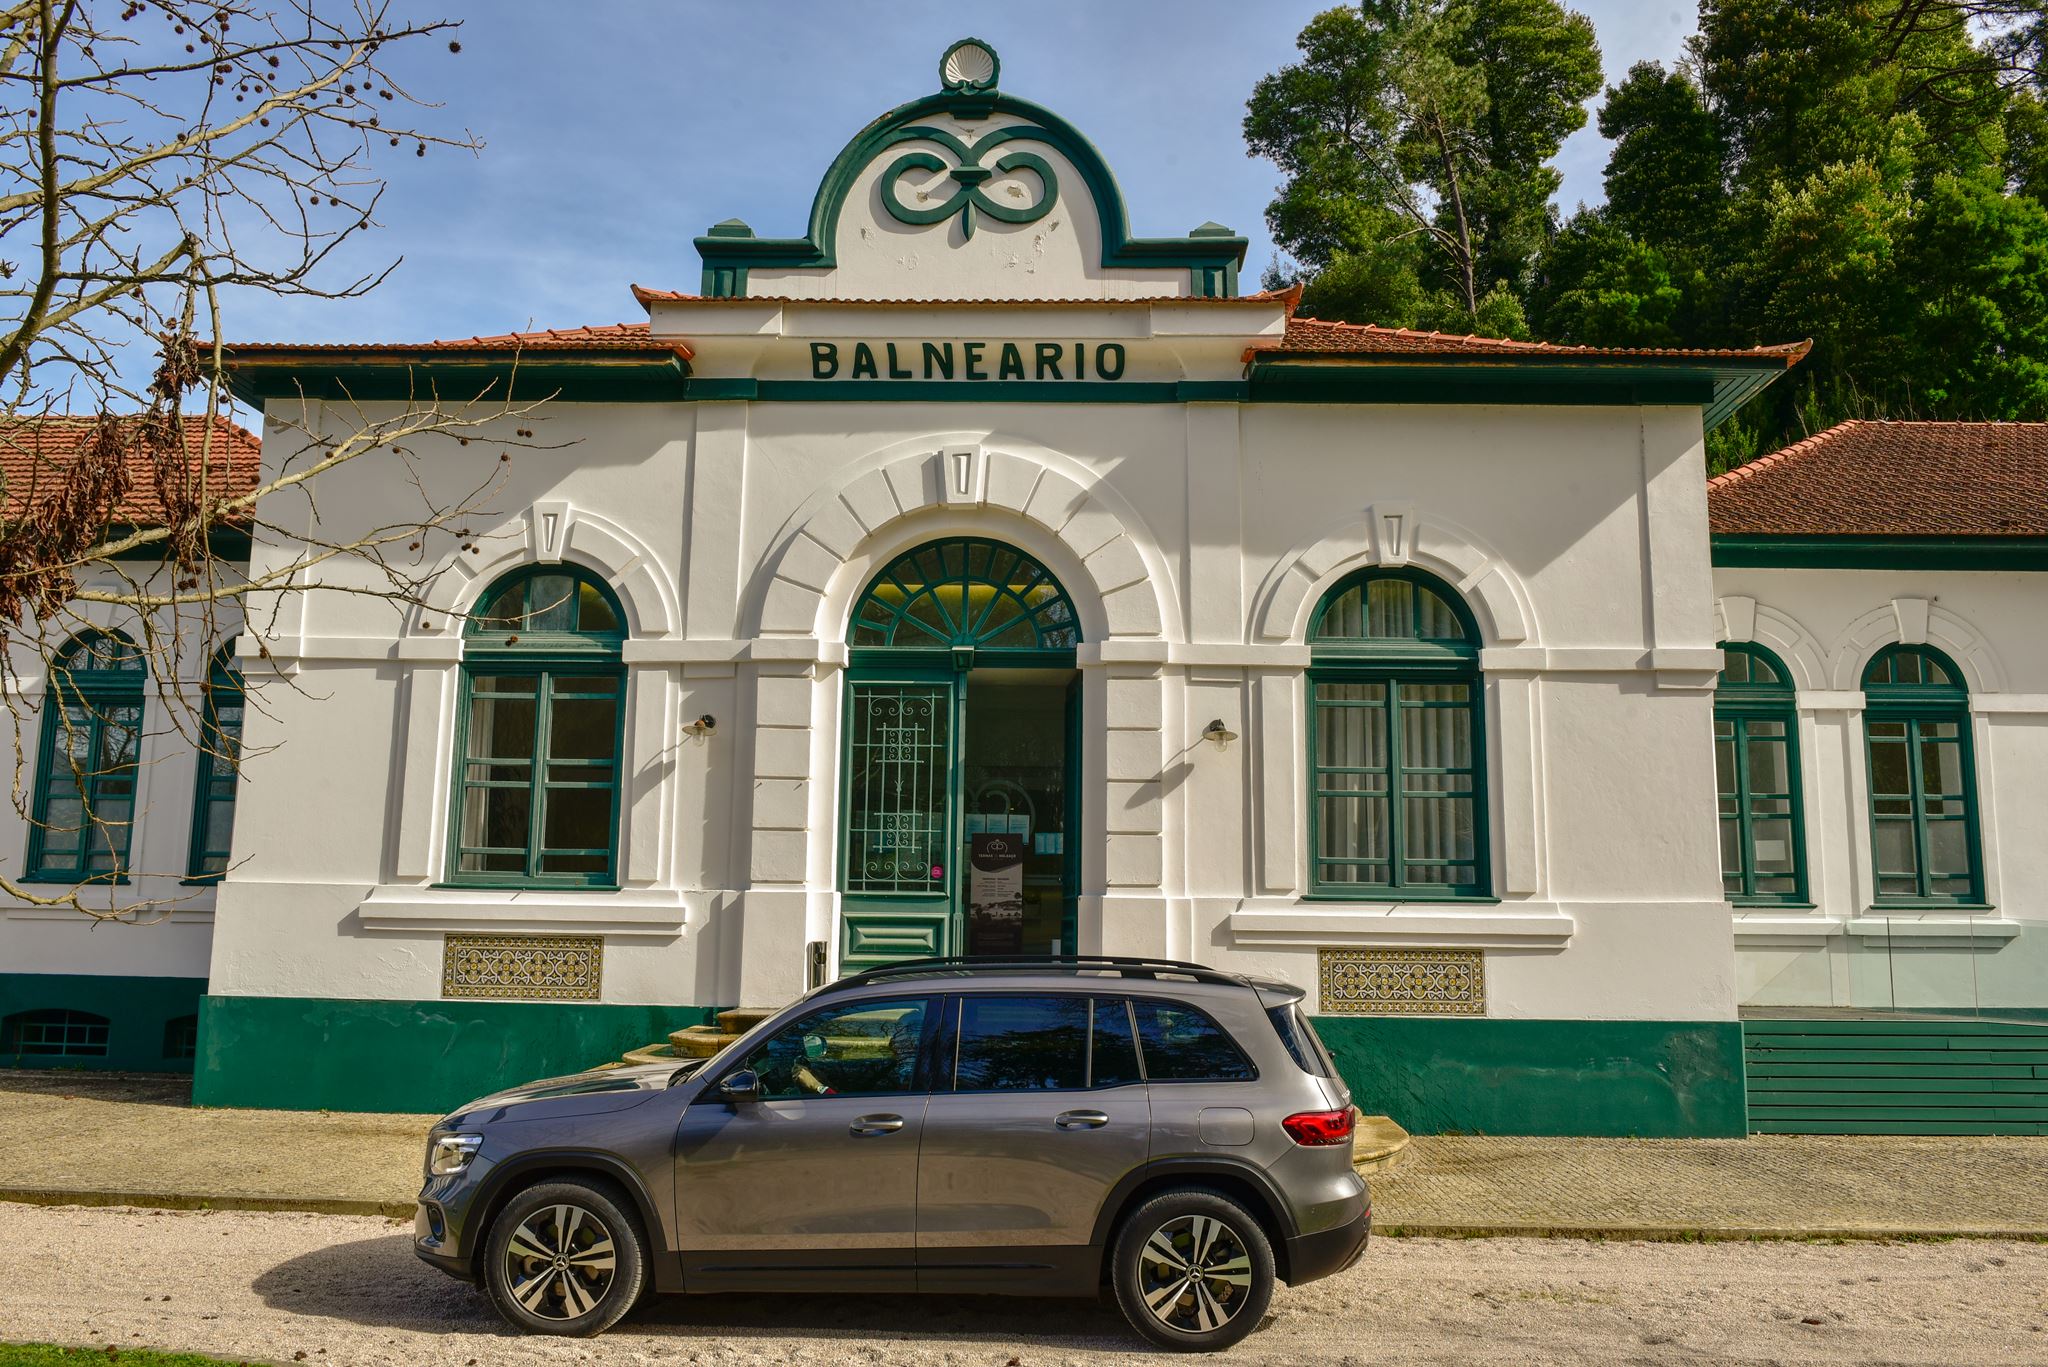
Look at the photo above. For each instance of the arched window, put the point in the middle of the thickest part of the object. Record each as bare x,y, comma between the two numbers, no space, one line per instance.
1396,741
1923,781
537,791
55,1033
220,753
965,594
1756,765
84,808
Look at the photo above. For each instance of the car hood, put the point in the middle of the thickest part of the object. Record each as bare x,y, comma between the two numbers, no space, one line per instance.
590,1093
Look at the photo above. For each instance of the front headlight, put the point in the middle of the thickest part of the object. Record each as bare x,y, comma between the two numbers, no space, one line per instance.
449,1154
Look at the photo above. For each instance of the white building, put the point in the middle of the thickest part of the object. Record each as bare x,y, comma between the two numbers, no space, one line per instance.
968,524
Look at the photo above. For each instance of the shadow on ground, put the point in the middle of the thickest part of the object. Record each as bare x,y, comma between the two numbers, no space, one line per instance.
378,1283
134,1089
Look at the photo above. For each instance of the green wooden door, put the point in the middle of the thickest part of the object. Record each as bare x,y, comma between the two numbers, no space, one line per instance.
901,775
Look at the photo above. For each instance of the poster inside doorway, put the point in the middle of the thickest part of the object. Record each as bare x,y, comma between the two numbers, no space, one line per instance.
995,893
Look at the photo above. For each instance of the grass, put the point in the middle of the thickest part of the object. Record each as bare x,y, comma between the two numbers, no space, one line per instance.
51,1355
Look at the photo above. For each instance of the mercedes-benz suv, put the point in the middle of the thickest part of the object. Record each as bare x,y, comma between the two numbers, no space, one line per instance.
1030,1127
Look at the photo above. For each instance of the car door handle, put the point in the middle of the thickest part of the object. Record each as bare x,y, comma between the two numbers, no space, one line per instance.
875,1124
1081,1120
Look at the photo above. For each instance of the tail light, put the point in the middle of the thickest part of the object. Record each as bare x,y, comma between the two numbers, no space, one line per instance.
1318,1129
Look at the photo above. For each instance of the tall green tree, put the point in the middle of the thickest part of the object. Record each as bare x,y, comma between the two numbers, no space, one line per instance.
1416,137
1866,173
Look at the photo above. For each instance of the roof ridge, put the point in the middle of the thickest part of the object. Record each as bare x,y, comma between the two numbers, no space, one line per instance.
1805,446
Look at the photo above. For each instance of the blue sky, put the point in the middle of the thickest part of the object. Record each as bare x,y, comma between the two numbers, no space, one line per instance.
613,140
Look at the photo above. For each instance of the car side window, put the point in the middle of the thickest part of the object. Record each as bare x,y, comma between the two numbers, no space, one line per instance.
866,1048
1022,1044
1181,1044
1113,1052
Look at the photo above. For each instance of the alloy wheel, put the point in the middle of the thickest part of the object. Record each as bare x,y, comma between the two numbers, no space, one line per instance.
560,1262
1195,1274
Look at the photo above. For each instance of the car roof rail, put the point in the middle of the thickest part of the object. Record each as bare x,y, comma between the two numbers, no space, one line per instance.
1124,965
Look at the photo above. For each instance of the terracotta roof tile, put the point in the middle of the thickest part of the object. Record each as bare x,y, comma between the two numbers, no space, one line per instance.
598,337
33,453
1289,296
1892,479
1310,337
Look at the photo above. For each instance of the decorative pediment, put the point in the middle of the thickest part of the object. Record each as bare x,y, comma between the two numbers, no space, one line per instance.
971,193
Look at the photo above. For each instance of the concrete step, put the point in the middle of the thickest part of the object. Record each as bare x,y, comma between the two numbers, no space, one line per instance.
1377,1144
741,1019
700,1041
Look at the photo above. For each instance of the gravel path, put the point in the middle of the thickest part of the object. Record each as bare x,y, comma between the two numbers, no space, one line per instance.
346,1289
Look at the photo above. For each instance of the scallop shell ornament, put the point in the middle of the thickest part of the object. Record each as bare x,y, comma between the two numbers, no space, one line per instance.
969,64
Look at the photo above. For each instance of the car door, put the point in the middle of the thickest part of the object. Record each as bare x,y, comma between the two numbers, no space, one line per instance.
814,1183
1038,1111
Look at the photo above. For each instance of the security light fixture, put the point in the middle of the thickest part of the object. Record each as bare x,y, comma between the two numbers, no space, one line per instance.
1219,733
704,726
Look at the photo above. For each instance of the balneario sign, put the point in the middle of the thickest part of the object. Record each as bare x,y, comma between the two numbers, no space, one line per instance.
967,361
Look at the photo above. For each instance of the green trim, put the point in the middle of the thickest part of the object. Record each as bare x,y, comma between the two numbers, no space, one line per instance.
1395,664
1212,257
139,1011
1648,1079
1739,704
222,543
1899,1074
1915,706
320,1053
548,656
101,694
658,376
1718,388
210,788
2009,553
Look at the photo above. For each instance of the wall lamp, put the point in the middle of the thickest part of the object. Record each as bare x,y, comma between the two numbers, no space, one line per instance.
705,725
1219,733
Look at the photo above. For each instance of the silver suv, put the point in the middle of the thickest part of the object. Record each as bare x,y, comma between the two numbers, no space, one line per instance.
1026,1127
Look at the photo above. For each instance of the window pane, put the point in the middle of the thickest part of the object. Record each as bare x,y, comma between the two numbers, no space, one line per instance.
1344,617
1948,848
1437,828
1352,827
1724,757
1941,763
593,612
864,1048
1895,851
583,728
1768,771
1116,1050
551,603
1731,853
1890,768
1734,666
1180,1044
897,776
1351,737
1434,619
1435,737
501,728
1022,1044
1773,842
578,819
1389,606
496,817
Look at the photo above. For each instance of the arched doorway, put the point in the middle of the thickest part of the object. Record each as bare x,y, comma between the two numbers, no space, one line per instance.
959,776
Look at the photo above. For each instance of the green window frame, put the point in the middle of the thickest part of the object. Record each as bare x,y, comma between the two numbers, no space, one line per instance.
219,771
1925,843
1760,801
1396,743
540,734
56,1032
82,817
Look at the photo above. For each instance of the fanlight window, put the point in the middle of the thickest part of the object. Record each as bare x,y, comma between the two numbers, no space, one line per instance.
965,593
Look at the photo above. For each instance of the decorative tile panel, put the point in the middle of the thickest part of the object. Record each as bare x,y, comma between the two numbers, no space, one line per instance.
523,967
1403,982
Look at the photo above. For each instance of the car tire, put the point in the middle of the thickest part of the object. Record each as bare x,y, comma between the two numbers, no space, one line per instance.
565,1258
1165,1243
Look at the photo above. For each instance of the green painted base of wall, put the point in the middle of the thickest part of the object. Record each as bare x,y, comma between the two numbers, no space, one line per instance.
1905,1075
137,1012
316,1053
1649,1079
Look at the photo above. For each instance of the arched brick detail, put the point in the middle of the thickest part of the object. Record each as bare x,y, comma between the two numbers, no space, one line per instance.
1395,534
944,481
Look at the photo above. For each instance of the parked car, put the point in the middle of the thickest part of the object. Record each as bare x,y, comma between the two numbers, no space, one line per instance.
1024,1127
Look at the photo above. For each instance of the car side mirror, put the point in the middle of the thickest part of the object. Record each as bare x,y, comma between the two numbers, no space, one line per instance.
745,1085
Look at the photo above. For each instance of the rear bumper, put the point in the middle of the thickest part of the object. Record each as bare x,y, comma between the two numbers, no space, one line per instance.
1311,1257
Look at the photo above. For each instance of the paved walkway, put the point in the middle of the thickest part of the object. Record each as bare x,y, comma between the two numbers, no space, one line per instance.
109,1139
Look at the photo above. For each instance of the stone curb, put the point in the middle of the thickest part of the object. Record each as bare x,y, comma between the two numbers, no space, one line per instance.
1696,1234
172,1200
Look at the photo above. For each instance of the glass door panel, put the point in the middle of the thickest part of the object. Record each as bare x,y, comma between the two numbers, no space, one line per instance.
899,831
